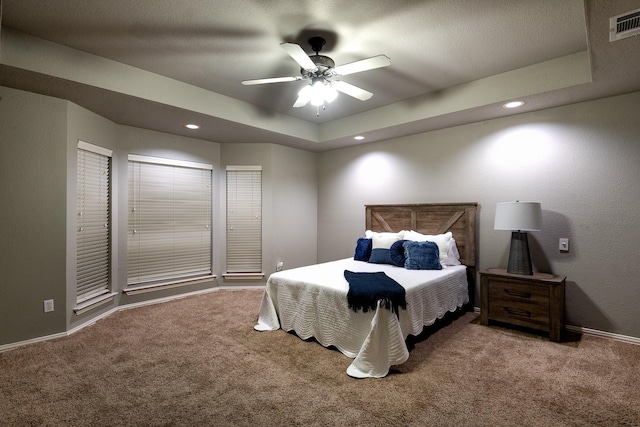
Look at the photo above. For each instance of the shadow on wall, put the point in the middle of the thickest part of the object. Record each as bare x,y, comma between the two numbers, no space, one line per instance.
579,308
544,248
543,244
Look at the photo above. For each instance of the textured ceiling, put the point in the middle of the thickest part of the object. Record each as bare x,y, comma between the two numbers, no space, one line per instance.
438,48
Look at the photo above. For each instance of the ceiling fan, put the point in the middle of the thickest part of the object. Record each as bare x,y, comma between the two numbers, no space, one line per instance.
323,74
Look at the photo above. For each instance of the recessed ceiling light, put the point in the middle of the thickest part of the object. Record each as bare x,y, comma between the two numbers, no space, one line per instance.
513,104
358,137
192,126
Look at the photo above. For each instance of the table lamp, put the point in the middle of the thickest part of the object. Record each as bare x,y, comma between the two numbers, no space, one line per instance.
519,217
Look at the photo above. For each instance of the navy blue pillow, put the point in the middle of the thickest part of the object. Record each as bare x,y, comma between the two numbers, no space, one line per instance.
363,250
421,256
380,256
396,253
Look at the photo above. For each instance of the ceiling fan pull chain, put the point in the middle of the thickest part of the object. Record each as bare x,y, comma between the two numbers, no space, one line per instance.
324,107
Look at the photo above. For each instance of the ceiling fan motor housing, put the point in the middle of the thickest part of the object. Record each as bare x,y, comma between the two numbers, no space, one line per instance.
324,63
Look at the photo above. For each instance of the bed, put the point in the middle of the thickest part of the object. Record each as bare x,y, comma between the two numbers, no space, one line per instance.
312,301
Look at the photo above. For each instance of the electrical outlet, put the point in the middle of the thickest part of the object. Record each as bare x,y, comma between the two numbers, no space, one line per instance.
563,244
279,266
48,305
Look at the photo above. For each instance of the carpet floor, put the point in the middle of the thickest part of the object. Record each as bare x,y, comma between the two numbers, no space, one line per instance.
197,361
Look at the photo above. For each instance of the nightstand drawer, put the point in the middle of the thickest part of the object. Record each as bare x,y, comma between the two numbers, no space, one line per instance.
520,313
518,292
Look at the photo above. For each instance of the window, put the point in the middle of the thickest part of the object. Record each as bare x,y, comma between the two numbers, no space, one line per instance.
244,219
169,223
93,243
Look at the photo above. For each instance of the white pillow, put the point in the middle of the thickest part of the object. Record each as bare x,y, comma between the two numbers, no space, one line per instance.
382,240
453,256
442,240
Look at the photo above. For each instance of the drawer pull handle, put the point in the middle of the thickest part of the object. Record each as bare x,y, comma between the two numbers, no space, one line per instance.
517,293
516,312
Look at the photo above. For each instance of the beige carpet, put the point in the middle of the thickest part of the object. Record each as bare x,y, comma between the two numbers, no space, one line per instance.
198,362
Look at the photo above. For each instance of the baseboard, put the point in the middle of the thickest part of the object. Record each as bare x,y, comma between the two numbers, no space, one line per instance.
603,334
240,288
14,345
11,346
593,332
165,299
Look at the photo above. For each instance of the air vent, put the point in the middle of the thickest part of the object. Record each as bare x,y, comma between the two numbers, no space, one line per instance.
625,25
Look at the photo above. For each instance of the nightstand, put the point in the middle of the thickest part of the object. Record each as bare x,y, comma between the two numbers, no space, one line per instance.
535,301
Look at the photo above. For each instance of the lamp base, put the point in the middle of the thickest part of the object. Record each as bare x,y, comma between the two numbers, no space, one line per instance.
519,256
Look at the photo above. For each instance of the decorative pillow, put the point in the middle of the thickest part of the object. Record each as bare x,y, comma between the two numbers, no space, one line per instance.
380,244
380,256
396,253
442,240
363,250
453,256
422,256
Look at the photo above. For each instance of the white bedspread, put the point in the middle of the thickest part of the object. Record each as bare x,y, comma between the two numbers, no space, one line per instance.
312,301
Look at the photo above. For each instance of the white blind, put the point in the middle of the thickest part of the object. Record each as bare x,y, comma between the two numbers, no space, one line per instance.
244,219
93,222
169,224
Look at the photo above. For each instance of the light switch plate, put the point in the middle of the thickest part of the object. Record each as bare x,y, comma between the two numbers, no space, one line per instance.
563,244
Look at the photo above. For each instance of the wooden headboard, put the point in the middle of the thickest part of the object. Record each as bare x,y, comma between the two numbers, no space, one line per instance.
436,218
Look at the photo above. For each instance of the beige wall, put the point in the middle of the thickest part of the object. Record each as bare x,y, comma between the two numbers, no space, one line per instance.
580,161
295,196
33,194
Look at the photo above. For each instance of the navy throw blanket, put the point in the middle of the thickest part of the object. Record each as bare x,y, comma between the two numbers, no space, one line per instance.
366,289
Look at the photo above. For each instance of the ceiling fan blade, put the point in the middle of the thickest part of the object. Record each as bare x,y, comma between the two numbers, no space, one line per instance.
298,54
301,102
270,80
362,65
351,90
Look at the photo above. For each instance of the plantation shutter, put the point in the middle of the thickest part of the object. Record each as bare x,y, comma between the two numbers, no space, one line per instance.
169,223
244,219
93,242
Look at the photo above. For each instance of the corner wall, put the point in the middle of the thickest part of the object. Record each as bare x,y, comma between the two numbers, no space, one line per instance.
289,204
38,154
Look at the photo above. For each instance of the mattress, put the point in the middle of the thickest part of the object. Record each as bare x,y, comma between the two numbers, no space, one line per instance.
312,302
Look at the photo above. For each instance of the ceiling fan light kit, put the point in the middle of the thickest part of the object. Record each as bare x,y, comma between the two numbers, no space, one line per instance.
323,75
321,91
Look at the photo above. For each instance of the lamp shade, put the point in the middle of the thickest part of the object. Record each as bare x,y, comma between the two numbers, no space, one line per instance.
521,216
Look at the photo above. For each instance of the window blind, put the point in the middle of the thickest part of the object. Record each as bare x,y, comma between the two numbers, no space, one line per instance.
244,219
93,236
169,222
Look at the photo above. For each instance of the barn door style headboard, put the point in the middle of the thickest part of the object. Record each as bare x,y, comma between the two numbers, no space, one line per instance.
433,218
